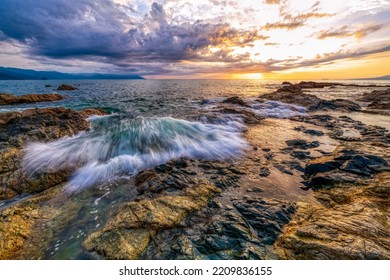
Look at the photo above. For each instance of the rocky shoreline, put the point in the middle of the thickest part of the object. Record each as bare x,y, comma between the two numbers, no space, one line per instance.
312,186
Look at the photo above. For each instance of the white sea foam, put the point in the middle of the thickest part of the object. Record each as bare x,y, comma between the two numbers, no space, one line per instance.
117,146
277,109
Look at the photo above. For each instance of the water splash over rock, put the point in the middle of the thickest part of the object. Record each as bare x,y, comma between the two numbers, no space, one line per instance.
119,146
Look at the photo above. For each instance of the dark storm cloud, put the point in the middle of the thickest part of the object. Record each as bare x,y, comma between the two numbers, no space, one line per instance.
107,32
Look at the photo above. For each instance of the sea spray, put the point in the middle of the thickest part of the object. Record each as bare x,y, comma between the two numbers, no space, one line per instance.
277,109
117,146
267,109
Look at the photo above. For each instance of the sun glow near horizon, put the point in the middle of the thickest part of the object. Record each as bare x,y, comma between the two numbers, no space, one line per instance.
286,39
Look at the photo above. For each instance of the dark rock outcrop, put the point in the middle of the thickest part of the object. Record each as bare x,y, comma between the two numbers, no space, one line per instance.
293,94
129,232
18,128
351,223
344,168
380,99
235,100
9,99
66,87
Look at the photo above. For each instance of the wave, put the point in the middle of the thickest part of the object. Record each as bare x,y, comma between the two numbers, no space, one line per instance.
277,109
118,146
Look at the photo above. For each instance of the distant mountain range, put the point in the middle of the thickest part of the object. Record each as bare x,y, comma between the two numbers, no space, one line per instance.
7,73
376,78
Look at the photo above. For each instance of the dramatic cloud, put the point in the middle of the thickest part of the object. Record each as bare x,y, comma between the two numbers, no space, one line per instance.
178,37
345,31
291,22
101,31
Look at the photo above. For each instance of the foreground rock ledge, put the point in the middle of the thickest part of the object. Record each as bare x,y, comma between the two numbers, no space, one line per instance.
129,232
352,223
18,128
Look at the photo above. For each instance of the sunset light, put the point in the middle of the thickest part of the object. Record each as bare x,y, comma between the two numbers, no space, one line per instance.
176,38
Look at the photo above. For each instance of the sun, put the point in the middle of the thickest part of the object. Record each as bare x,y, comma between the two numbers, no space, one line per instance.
247,76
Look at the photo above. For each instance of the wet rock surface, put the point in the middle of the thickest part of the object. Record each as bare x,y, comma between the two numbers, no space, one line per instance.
351,223
9,99
380,99
19,128
129,232
343,168
294,95
309,187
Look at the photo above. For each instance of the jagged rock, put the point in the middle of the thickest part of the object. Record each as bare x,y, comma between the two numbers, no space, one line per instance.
34,125
332,178
302,144
293,94
312,132
336,104
376,96
267,217
312,84
264,172
380,99
344,168
321,165
355,226
9,99
301,155
135,223
381,105
66,87
248,116
365,165
235,100
22,224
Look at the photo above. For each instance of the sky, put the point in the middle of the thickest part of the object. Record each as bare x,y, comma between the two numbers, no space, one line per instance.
227,39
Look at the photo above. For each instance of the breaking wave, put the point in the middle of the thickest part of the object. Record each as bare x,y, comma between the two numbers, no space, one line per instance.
117,146
277,109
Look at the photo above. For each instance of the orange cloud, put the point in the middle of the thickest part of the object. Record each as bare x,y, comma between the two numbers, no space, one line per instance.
344,31
272,2
292,22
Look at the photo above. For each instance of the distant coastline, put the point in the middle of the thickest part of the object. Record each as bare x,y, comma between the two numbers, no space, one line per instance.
7,73
387,77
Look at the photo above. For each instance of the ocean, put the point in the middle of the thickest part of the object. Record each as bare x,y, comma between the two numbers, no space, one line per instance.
149,123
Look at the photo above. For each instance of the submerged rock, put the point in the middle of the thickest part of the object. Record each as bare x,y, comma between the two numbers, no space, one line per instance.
9,99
